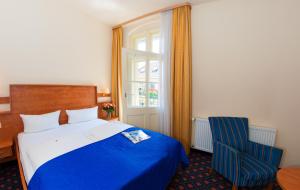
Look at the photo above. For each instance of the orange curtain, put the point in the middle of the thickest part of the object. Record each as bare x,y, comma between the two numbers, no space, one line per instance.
181,75
116,69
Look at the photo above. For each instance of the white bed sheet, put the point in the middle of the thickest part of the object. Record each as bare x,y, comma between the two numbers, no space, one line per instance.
38,148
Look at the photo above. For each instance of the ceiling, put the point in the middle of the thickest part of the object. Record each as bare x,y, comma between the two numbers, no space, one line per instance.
113,12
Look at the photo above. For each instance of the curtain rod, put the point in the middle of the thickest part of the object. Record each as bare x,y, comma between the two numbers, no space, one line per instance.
152,13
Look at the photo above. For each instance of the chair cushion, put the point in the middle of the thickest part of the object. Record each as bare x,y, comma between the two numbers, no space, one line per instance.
255,172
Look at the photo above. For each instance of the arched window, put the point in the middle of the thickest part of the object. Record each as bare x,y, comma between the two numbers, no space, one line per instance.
146,38
143,65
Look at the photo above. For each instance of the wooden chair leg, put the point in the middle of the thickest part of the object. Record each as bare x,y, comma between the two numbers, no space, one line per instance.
270,186
234,187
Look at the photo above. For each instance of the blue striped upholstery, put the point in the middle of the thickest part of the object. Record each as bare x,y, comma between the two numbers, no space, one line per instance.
241,161
255,172
231,131
228,162
265,153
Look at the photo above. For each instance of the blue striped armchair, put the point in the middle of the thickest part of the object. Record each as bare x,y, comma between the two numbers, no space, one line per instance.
241,161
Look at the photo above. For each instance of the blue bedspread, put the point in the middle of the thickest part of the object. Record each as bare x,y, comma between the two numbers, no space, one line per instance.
114,163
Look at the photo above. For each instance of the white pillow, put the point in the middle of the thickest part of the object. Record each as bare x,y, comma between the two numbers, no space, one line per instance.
88,114
37,123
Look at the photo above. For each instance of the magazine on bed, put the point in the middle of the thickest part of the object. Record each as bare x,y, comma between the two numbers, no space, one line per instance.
136,136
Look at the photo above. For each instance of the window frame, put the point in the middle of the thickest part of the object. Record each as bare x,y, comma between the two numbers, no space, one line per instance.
144,34
148,31
148,57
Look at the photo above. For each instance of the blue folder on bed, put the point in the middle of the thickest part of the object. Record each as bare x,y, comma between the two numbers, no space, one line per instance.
114,163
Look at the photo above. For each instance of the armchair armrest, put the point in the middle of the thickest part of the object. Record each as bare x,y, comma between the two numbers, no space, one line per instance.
226,160
269,154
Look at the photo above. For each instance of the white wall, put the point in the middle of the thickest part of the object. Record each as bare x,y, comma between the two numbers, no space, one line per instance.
51,41
246,62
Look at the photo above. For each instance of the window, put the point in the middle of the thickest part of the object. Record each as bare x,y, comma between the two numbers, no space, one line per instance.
148,41
140,44
155,43
143,70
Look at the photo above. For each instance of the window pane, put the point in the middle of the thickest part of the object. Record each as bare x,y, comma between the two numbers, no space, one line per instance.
137,70
155,44
140,71
136,96
154,70
140,44
153,93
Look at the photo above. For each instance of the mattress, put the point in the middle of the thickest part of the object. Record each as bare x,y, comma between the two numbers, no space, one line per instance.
95,155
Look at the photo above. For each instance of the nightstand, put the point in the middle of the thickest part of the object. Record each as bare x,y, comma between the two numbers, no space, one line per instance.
6,151
111,119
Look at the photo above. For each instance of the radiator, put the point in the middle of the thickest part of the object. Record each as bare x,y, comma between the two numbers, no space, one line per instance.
202,139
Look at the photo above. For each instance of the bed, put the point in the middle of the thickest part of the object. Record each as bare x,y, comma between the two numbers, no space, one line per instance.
87,155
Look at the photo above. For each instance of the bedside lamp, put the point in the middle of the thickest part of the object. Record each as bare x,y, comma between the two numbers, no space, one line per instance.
106,91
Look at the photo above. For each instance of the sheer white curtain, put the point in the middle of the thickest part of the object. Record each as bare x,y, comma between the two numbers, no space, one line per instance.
165,103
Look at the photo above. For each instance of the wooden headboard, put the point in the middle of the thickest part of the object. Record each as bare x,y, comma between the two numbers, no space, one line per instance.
40,99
